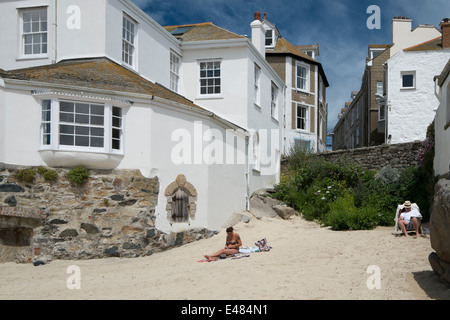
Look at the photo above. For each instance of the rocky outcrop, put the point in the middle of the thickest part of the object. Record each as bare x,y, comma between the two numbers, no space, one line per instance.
440,230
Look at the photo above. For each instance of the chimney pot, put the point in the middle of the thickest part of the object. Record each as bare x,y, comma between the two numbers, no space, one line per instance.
265,15
257,15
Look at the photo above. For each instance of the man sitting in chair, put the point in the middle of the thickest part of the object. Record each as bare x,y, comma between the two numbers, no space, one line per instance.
409,215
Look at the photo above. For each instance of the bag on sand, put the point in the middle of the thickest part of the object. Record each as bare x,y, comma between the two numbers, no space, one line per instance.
263,245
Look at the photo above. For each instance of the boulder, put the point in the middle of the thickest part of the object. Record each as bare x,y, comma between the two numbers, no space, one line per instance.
284,211
261,205
440,230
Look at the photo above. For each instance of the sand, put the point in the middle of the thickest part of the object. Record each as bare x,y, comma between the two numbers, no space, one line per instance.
306,262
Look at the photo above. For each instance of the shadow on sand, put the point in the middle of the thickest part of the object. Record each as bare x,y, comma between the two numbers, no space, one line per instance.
434,286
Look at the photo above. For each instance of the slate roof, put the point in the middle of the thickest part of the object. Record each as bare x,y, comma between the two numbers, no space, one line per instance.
96,73
201,32
284,46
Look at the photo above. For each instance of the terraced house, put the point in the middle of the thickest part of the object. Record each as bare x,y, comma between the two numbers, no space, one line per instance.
306,83
102,85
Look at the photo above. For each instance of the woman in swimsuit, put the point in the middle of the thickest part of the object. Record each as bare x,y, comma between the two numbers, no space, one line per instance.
232,245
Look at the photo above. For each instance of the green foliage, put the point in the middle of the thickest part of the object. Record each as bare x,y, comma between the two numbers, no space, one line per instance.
26,175
342,195
78,175
344,215
49,175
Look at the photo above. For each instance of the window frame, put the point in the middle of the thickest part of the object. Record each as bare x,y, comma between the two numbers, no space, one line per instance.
272,43
23,33
306,118
274,94
214,94
52,127
307,78
175,65
257,85
408,73
126,42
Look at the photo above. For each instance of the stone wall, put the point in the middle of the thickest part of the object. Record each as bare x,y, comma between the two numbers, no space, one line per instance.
398,156
112,214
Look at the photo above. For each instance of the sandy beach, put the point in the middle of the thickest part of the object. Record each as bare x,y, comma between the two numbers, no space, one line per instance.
306,262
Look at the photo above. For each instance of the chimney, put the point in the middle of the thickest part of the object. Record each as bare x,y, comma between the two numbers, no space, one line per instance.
445,28
258,34
401,28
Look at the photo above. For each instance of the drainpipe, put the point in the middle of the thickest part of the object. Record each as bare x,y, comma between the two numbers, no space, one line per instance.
55,31
247,175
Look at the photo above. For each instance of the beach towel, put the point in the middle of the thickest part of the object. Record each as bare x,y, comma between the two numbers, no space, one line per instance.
263,245
248,249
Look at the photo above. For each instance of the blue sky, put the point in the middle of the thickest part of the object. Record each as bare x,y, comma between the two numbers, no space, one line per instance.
339,26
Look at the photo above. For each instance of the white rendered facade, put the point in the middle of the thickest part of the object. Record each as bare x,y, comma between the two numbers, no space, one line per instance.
410,95
153,128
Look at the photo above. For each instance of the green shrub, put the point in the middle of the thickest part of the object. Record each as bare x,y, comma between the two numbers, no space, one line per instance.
344,196
78,175
26,175
50,175
344,215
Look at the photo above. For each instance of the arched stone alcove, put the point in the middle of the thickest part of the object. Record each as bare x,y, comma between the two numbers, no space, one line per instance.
181,200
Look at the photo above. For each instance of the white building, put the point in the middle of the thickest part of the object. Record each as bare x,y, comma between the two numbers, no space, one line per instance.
442,124
410,101
101,84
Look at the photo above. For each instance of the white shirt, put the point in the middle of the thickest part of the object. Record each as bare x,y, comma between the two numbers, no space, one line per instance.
408,215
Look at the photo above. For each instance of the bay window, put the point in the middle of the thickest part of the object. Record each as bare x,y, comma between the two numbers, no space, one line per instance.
81,126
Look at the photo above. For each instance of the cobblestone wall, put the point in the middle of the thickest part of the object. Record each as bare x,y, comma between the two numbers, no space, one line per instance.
399,156
110,215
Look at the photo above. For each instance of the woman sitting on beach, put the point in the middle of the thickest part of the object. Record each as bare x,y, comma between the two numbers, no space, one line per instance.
232,245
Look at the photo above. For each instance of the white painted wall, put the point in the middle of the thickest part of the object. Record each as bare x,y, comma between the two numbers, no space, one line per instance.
442,135
148,146
148,125
153,42
10,49
411,111
87,29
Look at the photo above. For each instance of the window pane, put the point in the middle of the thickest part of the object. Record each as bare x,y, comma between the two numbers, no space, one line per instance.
116,122
97,142
116,144
97,120
116,133
27,27
116,112
408,80
26,16
66,117
82,108
66,129
66,140
82,130
81,119
46,116
98,132
66,106
82,141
